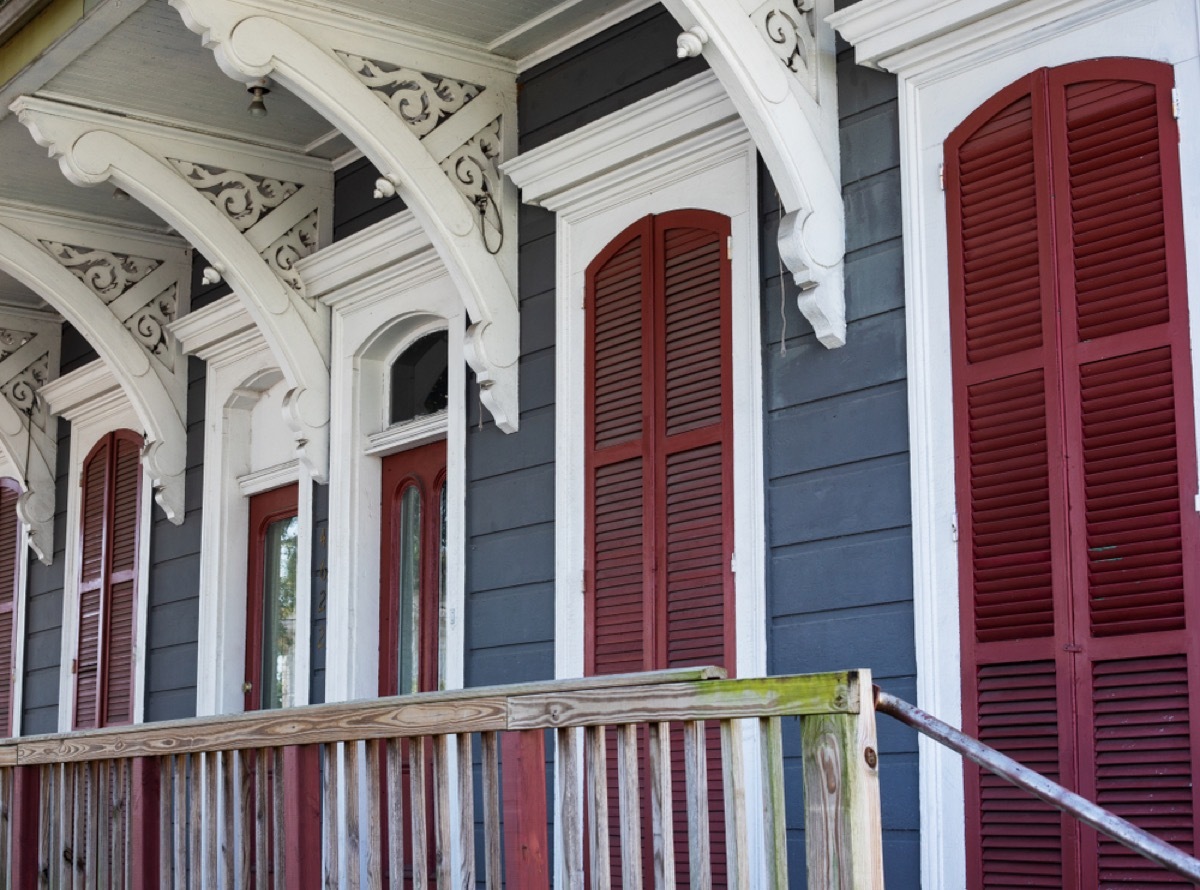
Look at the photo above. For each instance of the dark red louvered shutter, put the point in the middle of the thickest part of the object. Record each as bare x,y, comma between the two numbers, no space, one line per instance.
11,551
1073,421
659,474
109,520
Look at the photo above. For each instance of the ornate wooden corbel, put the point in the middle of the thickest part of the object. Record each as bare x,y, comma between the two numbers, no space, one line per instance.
776,61
120,288
436,121
254,213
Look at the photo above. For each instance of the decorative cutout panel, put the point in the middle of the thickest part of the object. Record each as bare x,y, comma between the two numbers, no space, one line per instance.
149,324
474,170
11,341
423,101
108,275
283,254
243,198
791,30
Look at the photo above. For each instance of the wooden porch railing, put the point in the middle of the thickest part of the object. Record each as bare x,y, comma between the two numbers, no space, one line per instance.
294,799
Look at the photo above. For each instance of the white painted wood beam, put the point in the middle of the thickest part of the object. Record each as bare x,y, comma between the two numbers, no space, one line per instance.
253,213
118,288
399,97
775,58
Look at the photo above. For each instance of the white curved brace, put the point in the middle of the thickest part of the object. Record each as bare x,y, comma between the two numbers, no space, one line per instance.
797,138
35,507
90,155
165,453
251,45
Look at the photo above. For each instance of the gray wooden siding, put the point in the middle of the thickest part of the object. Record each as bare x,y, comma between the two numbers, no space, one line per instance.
839,569
355,206
173,617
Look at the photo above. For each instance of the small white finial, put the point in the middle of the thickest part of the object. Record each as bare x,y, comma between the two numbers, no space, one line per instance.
691,42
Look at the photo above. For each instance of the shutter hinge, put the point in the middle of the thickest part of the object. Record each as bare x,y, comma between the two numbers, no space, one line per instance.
729,248
733,562
954,526
942,176
1175,102
74,665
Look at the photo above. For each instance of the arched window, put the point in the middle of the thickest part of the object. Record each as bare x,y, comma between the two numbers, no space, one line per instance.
658,446
109,519
1075,465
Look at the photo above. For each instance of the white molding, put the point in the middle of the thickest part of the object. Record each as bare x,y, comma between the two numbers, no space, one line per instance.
21,622
93,147
92,399
297,44
706,162
156,383
391,291
259,481
941,81
407,435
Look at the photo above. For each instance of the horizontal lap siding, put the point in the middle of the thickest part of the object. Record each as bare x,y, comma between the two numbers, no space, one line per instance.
839,557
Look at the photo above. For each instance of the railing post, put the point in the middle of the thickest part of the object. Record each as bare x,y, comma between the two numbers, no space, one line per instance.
523,755
302,816
145,824
842,824
26,820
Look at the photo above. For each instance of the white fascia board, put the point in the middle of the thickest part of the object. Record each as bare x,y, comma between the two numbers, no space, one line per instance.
221,332
85,394
398,240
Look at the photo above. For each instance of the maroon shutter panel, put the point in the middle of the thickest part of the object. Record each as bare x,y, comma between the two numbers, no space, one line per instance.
92,520
1127,401
1070,338
11,552
617,374
121,605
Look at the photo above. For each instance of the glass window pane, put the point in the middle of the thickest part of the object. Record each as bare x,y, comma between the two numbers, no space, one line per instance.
419,378
410,589
279,614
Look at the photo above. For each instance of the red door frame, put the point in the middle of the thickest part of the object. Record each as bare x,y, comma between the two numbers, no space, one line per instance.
266,508
110,440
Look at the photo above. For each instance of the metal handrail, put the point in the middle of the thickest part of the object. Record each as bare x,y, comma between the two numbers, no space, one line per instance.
1120,830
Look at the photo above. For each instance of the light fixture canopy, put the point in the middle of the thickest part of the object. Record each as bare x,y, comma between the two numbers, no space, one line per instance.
257,90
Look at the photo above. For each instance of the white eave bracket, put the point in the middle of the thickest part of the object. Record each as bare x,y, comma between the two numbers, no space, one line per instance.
120,288
436,120
252,212
776,60
29,358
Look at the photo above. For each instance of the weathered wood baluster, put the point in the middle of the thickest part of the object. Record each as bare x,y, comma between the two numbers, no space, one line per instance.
78,826
420,840
737,844
374,822
166,821
90,858
211,786
104,834
466,811
842,826
570,808
121,872
262,804
630,806
30,825
329,815
350,815
441,809
695,758
246,817
145,821
395,814
490,752
597,795
195,821
63,855
662,816
228,827
302,817
774,810
179,823
278,841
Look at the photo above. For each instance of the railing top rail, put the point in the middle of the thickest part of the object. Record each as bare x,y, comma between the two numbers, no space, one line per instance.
689,694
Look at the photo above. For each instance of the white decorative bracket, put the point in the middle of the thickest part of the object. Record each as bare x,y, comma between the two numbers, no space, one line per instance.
435,120
253,212
29,357
775,58
120,288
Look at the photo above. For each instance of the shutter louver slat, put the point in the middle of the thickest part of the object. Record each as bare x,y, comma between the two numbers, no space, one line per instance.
617,347
693,312
11,552
118,680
